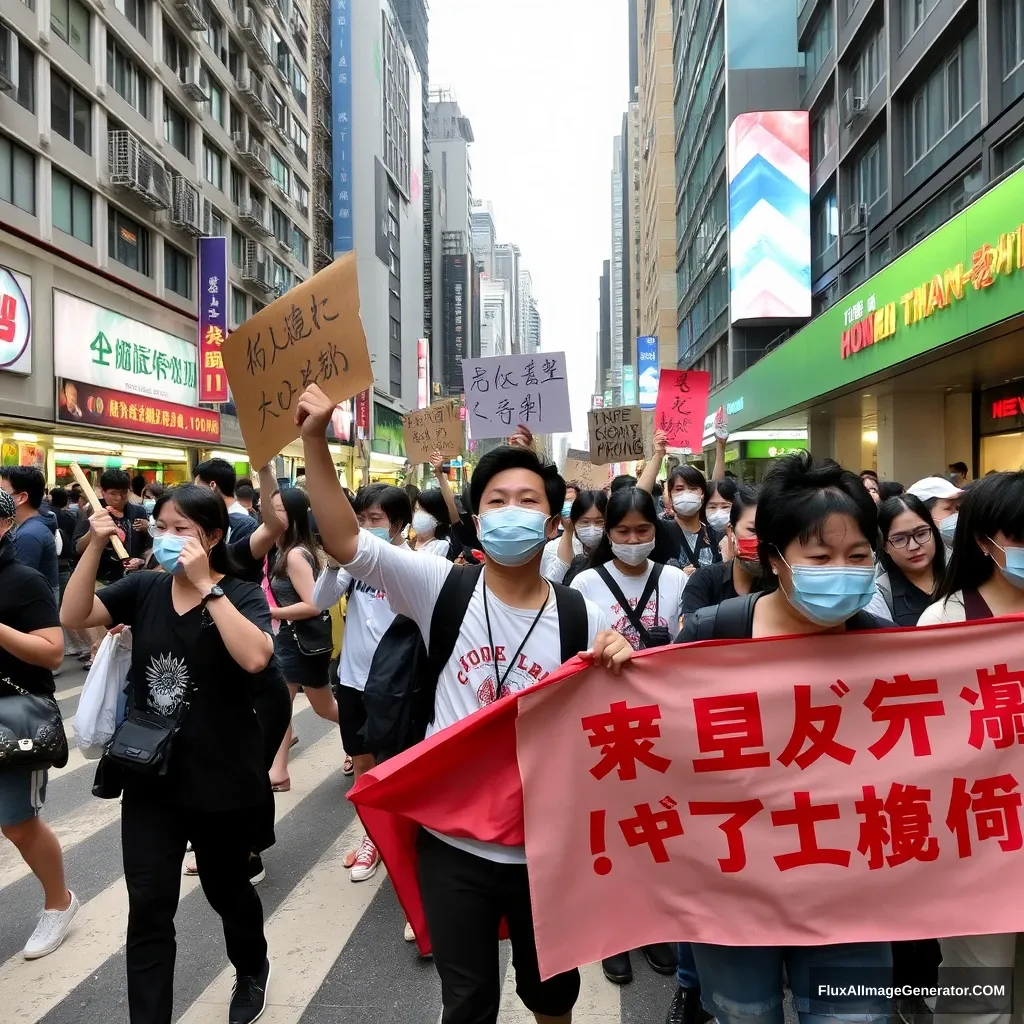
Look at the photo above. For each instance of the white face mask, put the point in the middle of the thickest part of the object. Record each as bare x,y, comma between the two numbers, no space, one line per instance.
633,554
423,523
590,536
719,519
686,503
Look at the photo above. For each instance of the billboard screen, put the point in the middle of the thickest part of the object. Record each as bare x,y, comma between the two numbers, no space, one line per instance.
647,371
769,216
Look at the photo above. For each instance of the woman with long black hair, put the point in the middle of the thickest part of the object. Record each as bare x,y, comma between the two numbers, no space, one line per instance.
565,557
199,637
912,559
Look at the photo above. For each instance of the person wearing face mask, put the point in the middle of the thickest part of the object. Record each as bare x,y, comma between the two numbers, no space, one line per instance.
434,511
514,628
721,494
199,638
942,499
912,558
150,494
816,526
567,555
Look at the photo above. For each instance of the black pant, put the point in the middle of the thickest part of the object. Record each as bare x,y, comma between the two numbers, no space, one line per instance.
465,897
916,962
153,838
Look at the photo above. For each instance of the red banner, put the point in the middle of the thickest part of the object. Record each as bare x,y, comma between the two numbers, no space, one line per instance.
87,404
682,407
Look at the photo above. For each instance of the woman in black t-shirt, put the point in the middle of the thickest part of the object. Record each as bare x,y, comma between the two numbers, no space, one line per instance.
912,558
199,638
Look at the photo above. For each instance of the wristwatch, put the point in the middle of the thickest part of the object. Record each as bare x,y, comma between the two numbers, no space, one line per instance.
212,594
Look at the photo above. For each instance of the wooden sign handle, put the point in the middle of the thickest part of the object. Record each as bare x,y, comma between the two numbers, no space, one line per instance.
83,481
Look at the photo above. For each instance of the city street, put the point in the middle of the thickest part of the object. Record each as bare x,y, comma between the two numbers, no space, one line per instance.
337,948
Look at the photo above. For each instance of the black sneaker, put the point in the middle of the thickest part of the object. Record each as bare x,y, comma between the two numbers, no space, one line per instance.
257,872
686,1008
618,969
249,997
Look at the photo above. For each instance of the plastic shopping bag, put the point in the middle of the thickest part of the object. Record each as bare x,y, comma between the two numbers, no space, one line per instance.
96,718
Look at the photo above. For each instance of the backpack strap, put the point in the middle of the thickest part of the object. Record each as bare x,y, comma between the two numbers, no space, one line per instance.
729,620
449,611
635,615
573,622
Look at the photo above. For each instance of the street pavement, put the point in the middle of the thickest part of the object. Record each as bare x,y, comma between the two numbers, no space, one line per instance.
337,948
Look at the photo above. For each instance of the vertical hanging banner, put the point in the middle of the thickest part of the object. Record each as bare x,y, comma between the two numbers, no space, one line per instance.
647,370
213,293
341,116
363,415
682,406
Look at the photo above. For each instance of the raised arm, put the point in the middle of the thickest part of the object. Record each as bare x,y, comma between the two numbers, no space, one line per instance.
437,462
81,608
265,536
649,477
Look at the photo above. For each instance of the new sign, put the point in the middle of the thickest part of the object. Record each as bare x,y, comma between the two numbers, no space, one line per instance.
1002,409
97,346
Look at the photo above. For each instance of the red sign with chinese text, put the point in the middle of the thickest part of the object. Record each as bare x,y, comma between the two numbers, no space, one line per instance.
362,401
213,378
89,405
682,407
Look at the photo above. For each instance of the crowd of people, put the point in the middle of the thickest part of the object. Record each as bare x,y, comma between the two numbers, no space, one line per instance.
237,597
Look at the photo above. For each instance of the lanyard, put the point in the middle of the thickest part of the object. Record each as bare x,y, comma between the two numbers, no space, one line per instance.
519,650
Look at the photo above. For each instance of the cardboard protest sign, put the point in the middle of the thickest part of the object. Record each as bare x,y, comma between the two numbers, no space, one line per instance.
682,406
616,434
886,796
312,334
438,428
503,392
581,470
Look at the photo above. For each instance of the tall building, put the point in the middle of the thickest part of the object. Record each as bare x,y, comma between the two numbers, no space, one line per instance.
602,380
496,319
507,268
484,235
533,329
619,280
631,224
129,131
526,303
656,138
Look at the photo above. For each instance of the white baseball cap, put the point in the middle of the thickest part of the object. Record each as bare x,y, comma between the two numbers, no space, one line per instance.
934,487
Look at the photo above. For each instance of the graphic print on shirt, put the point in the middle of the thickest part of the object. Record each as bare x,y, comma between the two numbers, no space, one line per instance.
477,670
621,623
167,679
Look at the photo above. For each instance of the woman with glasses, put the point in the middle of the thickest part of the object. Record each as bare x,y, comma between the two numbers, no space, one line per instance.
912,558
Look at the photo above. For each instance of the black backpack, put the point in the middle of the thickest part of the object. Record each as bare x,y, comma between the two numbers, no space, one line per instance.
402,681
731,619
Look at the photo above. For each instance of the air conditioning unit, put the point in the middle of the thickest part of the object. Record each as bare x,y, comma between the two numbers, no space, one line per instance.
186,208
851,107
157,191
127,166
856,218
193,86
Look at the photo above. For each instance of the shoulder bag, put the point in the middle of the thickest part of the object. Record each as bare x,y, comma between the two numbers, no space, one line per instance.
31,730
657,635
143,742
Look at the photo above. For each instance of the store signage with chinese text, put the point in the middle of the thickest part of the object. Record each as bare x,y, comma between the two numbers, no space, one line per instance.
15,322
341,125
101,347
213,291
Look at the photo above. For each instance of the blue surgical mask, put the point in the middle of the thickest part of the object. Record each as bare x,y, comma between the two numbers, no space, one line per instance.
149,504
383,532
828,594
166,550
947,529
513,535
1014,568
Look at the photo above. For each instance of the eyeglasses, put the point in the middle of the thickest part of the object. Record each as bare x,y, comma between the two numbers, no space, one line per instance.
920,537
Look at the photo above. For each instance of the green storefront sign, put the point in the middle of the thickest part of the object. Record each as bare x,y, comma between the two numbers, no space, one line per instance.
388,433
967,275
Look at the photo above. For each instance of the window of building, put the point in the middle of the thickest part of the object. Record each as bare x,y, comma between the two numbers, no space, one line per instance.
912,15
1013,35
257,306
26,94
280,110
300,86
281,224
870,180
177,271
237,126
396,106
819,43
824,224
279,169
128,241
824,131
300,246
177,129
1010,153
214,32
177,53
70,112
70,21
236,247
869,67
213,164
300,194
216,223
238,306
237,187
128,80
72,207
952,90
300,139
949,202
17,176
235,63
215,92
137,13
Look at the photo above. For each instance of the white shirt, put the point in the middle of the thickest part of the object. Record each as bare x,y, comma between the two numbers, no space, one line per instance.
434,547
551,566
952,609
468,681
665,601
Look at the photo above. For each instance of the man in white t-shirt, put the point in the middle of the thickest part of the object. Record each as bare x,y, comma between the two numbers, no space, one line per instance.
509,640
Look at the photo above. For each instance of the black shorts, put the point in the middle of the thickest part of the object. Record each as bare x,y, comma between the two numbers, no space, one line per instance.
306,670
465,897
351,715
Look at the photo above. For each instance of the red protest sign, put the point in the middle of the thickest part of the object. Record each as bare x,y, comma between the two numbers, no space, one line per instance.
682,407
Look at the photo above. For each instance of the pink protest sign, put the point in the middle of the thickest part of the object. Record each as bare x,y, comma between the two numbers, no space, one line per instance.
682,407
778,792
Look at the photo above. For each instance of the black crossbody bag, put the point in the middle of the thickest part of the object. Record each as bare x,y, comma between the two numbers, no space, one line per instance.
31,730
656,636
143,742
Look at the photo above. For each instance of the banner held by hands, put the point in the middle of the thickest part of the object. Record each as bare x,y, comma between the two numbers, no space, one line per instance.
579,469
311,335
504,391
438,428
682,407
616,434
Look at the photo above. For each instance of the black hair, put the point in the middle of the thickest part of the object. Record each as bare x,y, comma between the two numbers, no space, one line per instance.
414,494
59,497
75,491
246,480
620,504
959,467
797,496
869,472
244,492
365,497
692,477
585,501
138,483
432,501
992,504
115,480
155,489
746,497
298,533
622,482
575,485
219,472
895,506
208,512
890,489
506,457
393,502
27,480
725,489
658,490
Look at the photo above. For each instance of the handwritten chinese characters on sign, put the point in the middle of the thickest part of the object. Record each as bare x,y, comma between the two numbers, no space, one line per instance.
436,428
580,470
213,295
682,406
311,335
616,434
503,392
875,770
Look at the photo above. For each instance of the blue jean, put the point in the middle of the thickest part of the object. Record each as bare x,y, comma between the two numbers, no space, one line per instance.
686,969
743,984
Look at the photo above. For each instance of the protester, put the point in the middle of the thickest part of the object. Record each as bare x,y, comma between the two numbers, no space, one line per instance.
942,499
869,478
138,484
434,513
912,558
816,526
721,494
150,494
132,527
34,532
219,476
31,647
199,636
245,496
958,473
567,555
469,886
890,489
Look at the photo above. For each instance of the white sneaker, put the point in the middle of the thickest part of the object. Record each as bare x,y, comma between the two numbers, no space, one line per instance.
51,931
366,862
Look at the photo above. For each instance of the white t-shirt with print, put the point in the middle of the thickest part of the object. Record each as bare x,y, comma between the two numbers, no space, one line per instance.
468,681
666,601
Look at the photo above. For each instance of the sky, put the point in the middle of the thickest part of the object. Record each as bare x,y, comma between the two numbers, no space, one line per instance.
544,84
